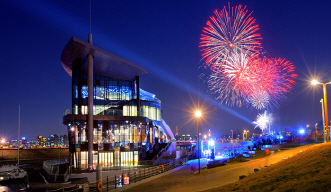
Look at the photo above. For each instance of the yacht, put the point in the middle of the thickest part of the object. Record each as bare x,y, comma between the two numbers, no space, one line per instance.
7,168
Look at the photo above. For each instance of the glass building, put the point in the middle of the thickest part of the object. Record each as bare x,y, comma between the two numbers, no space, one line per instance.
127,121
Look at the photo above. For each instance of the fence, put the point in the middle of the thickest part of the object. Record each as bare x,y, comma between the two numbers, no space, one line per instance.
113,182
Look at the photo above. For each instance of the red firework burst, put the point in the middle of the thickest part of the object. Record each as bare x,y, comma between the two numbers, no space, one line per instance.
262,83
274,78
231,31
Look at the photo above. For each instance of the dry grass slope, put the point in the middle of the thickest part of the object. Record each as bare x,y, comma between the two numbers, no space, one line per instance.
307,171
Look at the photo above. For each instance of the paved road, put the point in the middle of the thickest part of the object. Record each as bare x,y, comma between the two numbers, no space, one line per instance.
181,179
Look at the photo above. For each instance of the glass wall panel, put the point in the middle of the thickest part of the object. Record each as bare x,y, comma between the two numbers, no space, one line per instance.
74,160
95,159
151,113
83,133
127,158
102,159
111,159
117,159
75,91
158,114
84,159
84,91
84,110
143,133
136,157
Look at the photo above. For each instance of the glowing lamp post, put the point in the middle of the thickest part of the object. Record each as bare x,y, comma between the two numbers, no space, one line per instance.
323,120
198,115
314,82
205,136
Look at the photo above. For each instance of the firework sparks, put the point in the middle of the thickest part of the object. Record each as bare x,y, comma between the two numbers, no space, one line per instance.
230,46
263,121
232,83
259,99
275,80
263,83
230,31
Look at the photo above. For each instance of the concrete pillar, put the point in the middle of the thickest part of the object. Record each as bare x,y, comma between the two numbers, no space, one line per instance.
138,95
90,106
99,172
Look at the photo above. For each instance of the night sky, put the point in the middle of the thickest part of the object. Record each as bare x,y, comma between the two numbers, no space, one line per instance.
162,36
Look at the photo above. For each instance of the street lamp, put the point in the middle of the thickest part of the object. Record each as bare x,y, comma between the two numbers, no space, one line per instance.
244,134
323,120
198,115
205,136
315,82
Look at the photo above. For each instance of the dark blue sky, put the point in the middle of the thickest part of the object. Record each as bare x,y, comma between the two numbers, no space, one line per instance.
162,36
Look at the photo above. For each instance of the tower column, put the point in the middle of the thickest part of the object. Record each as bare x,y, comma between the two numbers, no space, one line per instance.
138,95
90,106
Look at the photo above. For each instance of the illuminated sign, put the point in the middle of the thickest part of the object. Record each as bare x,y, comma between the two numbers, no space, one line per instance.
126,180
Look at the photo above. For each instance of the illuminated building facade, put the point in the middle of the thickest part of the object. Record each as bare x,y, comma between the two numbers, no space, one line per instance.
40,141
63,141
127,120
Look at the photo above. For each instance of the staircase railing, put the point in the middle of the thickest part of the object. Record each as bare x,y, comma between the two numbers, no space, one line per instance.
56,173
66,175
160,153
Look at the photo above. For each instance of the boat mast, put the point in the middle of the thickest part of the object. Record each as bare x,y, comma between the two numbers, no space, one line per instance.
18,137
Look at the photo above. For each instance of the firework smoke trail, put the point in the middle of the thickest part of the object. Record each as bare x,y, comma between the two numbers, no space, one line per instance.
231,31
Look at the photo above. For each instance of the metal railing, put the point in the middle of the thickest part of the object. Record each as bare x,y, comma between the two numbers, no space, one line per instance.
113,182
160,153
74,111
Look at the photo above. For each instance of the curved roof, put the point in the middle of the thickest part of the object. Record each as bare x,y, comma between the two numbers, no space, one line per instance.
104,62
167,129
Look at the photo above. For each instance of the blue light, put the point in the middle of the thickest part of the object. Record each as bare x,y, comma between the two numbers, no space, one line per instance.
211,143
302,131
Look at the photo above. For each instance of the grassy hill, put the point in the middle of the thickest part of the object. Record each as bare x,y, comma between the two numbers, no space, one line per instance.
307,171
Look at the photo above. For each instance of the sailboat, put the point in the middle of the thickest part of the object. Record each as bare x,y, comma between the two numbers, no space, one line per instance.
14,173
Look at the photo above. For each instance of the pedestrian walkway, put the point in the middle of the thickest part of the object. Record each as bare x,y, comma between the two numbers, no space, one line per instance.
180,179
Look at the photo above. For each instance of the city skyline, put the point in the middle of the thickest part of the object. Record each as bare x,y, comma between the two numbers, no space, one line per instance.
38,142
163,37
